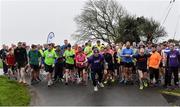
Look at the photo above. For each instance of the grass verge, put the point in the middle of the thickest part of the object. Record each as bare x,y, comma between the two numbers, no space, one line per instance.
13,93
175,92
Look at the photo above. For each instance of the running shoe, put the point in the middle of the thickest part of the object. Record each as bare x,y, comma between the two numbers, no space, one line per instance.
125,82
121,81
145,84
141,87
95,88
49,83
101,85
62,80
105,82
112,80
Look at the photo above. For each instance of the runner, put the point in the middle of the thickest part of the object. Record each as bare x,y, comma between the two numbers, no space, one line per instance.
10,62
164,51
154,62
149,47
173,62
69,60
76,47
116,64
49,59
96,62
161,68
109,48
135,51
128,63
59,68
3,53
58,51
88,49
59,65
35,63
109,74
89,52
98,45
21,59
41,70
120,63
81,64
64,47
141,64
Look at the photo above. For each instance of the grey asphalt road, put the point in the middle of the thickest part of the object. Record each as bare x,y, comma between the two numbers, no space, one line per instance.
77,95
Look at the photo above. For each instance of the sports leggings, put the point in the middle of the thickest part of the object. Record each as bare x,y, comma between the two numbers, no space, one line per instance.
93,76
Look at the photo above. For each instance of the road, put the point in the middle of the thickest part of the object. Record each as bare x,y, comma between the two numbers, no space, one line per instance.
77,95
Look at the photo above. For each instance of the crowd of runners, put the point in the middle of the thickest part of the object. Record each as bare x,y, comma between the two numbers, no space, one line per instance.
124,63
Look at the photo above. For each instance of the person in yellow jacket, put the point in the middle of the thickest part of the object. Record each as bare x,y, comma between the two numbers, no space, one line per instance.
88,49
98,45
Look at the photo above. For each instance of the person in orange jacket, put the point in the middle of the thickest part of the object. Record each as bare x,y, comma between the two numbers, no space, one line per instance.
154,62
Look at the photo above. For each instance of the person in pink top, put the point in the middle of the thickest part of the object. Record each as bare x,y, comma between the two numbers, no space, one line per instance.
110,50
81,63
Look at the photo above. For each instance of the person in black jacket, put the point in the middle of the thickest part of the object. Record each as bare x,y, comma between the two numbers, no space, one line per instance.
21,61
3,53
59,68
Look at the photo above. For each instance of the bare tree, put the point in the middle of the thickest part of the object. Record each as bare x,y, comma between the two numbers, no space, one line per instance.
100,20
108,20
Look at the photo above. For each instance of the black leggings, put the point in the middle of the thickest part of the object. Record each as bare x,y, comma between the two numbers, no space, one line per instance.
168,75
5,67
154,73
80,70
93,76
58,74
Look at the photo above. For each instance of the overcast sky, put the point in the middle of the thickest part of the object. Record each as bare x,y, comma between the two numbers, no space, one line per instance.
32,20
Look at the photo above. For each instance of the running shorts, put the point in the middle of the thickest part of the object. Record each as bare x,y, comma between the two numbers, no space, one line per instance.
128,64
70,66
49,68
35,67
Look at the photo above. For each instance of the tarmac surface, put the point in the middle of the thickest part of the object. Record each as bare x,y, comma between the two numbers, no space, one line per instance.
78,95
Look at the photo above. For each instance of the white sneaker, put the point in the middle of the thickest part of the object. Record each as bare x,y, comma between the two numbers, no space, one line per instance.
64,76
49,83
79,80
62,80
110,78
101,85
96,88
20,80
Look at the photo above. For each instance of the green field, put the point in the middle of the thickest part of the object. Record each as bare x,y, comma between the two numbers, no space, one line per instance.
13,93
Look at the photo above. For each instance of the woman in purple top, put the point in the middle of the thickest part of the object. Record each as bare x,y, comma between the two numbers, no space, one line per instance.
96,62
173,62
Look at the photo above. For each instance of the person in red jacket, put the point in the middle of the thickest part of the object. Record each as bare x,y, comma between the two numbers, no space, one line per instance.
10,62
